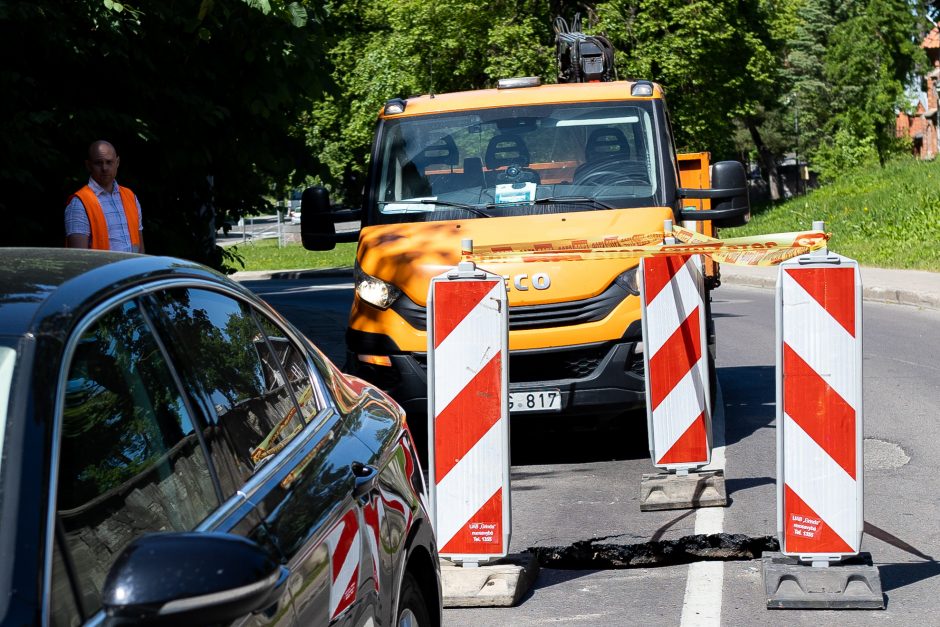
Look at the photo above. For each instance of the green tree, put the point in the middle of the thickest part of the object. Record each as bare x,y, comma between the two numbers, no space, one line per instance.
203,101
385,50
807,104
716,60
871,56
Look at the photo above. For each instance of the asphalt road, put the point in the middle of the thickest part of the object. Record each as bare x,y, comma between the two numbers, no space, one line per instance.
570,486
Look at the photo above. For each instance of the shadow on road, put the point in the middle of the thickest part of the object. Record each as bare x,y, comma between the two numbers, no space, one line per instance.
549,577
895,576
576,440
732,486
901,574
749,393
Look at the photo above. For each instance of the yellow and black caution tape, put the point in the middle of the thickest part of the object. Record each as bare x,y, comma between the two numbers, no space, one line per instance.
755,250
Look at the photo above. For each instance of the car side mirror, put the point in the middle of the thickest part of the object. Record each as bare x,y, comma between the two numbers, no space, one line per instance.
731,205
190,579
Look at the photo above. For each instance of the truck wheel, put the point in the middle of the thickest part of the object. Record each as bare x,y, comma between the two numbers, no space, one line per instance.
412,610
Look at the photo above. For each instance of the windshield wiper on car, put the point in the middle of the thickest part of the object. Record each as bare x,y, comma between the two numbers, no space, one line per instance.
458,205
550,200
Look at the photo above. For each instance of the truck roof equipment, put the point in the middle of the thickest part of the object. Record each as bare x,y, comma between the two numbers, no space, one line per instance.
582,58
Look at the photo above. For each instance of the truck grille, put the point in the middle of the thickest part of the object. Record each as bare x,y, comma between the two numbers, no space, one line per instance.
576,363
533,316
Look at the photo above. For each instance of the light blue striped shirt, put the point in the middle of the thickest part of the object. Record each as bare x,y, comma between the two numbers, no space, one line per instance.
76,219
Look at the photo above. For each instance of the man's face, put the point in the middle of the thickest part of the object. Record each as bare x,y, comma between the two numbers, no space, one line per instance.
103,165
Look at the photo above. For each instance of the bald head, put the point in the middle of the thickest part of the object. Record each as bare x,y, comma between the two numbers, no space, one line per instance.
102,163
96,145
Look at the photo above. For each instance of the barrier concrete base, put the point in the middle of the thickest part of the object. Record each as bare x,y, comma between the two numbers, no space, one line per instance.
671,491
852,584
498,584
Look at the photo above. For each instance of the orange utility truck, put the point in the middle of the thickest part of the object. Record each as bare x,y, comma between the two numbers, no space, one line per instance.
585,158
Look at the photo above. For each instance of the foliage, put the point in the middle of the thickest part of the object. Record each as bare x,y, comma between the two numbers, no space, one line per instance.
845,69
385,50
716,60
843,153
869,59
886,217
805,100
202,100
219,105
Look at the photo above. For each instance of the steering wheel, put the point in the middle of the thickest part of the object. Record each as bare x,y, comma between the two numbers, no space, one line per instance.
517,173
610,172
610,177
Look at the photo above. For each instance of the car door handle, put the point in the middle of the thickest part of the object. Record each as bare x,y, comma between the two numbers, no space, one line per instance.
366,477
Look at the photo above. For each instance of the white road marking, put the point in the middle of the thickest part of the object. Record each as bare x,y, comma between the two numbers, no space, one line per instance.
705,580
702,605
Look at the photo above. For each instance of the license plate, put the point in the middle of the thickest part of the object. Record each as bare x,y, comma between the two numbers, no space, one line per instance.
542,400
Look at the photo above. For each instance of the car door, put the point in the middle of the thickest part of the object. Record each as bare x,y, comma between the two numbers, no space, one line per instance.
327,496
131,457
290,455
390,510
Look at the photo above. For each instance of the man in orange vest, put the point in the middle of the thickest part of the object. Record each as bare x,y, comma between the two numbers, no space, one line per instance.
103,215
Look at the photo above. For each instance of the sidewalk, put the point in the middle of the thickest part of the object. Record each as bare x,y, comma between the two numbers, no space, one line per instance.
906,287
916,288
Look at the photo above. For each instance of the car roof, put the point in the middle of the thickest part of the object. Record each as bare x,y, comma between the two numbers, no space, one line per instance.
44,288
544,94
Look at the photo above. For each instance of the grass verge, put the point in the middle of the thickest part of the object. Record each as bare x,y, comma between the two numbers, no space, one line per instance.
265,255
886,217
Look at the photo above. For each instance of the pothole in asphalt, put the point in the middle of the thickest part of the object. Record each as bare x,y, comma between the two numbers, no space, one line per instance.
884,455
594,554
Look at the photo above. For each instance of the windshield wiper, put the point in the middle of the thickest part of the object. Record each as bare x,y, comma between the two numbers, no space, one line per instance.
571,199
458,205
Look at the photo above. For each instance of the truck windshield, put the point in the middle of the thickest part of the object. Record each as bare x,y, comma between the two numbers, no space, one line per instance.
515,161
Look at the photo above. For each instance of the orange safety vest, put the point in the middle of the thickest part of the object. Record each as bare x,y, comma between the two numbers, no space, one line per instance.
99,227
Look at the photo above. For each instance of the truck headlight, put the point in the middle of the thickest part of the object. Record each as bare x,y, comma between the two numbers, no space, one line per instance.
627,280
376,292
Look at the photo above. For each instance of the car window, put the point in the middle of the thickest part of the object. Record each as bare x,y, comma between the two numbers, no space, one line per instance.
7,359
229,362
65,611
295,368
131,461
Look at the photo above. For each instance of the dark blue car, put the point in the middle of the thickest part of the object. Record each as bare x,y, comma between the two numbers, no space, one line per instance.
175,452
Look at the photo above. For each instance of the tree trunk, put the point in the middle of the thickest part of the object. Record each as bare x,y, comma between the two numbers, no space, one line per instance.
767,159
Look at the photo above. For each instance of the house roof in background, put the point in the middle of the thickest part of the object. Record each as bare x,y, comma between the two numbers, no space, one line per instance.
932,40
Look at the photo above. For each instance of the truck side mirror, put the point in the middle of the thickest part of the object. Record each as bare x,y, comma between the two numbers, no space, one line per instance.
317,231
731,205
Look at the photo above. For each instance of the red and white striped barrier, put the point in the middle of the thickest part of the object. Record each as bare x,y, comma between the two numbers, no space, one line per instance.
678,405
468,414
819,407
345,545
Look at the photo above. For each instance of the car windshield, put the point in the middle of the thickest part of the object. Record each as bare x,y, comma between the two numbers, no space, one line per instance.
516,161
7,359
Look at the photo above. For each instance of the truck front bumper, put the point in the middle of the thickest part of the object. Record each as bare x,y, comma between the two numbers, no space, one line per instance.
596,380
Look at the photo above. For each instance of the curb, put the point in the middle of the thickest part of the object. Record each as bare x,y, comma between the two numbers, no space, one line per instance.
872,293
262,275
901,297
